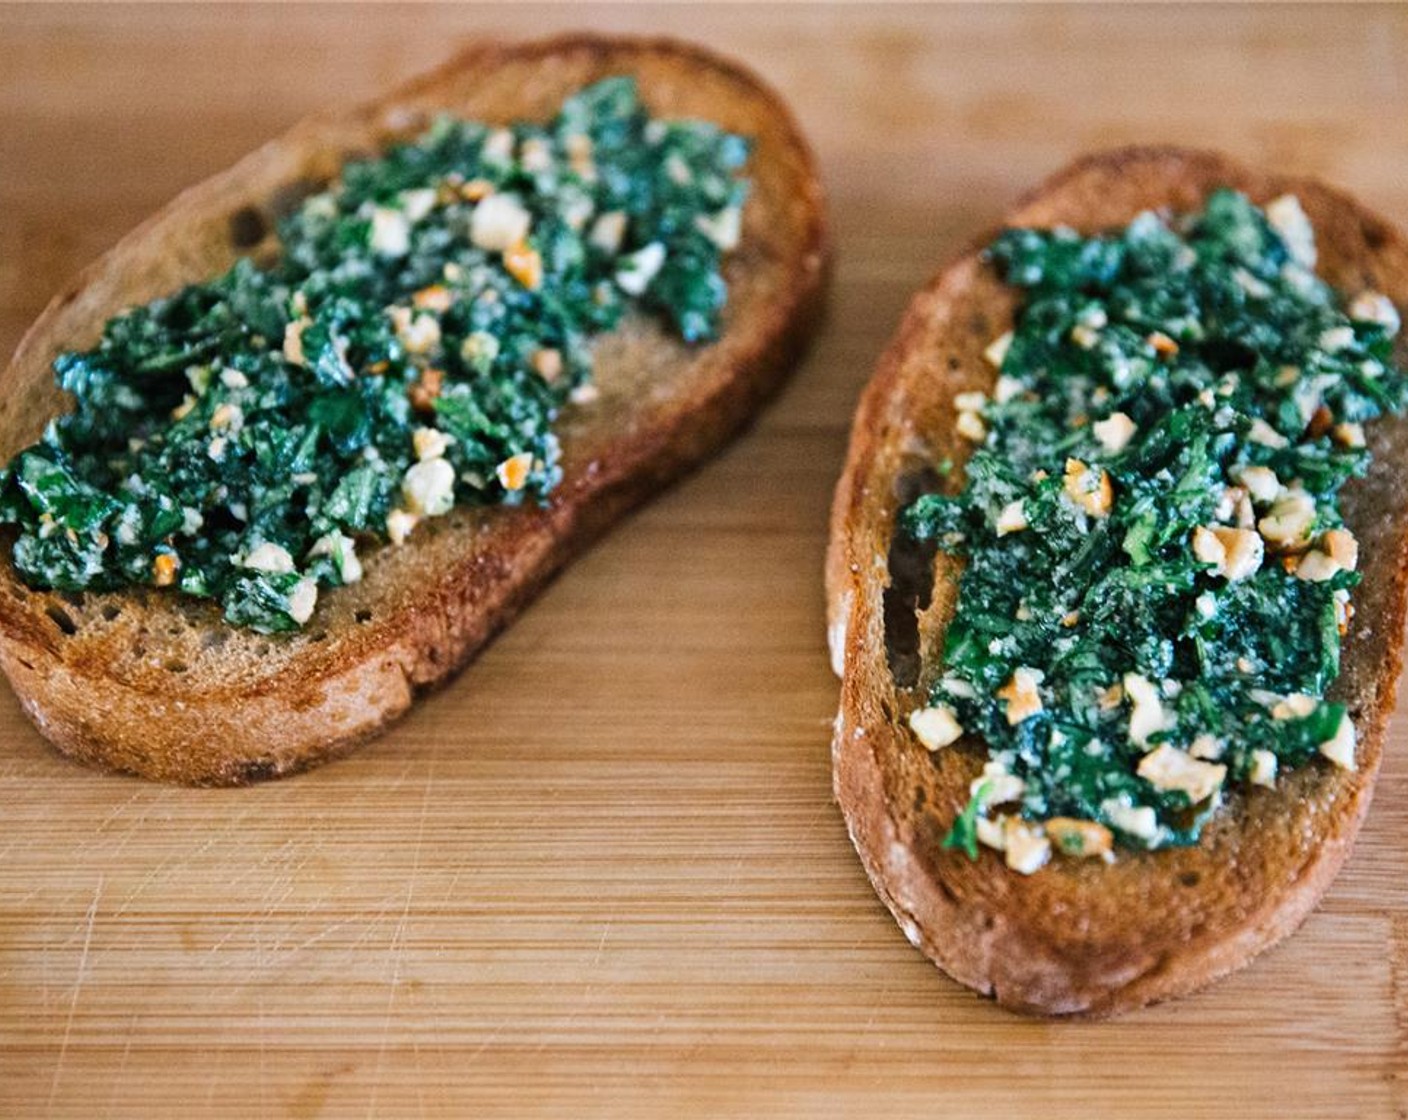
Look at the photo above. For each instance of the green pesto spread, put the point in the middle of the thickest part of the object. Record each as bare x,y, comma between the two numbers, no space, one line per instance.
1156,576
427,317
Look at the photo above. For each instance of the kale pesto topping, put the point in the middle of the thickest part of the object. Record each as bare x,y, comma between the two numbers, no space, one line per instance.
428,316
1157,577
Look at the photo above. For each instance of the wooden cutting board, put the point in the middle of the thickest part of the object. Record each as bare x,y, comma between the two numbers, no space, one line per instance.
602,874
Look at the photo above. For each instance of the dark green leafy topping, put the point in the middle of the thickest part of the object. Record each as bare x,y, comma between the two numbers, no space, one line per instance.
1157,576
428,317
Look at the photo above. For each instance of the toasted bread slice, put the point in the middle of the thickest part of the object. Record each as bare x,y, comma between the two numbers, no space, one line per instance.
158,685
1080,937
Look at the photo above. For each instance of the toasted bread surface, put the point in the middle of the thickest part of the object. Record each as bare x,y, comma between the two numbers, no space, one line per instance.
158,685
1081,937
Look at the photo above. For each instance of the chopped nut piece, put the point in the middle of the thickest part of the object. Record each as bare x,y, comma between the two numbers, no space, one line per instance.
996,351
638,269
1137,820
1168,768
1012,519
1111,698
1262,771
1341,546
391,232
1289,220
1234,553
476,190
1163,346
525,265
423,391
1002,788
724,229
499,222
1337,338
1026,847
1070,619
1295,706
1286,527
429,443
164,568
1208,748
399,523
1087,338
513,471
1006,389
992,834
1348,435
1114,432
428,488
935,727
971,427
1316,567
1260,482
1263,433
293,341
608,231
418,333
970,401
1081,838
269,557
1020,692
1371,307
1147,715
1089,487
437,297
1339,748
547,364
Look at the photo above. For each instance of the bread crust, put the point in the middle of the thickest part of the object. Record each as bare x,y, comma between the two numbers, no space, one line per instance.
1080,937
157,685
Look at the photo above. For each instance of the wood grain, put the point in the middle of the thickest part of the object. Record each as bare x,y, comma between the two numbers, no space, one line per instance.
602,874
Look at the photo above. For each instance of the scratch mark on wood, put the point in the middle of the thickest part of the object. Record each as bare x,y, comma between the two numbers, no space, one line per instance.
89,922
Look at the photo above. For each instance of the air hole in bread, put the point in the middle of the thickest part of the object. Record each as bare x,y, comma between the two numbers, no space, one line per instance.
911,587
111,612
214,639
63,620
362,615
1190,878
320,636
262,649
72,598
248,228
175,666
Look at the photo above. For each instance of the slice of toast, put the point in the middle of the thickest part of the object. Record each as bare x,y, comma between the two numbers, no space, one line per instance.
158,685
1081,937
